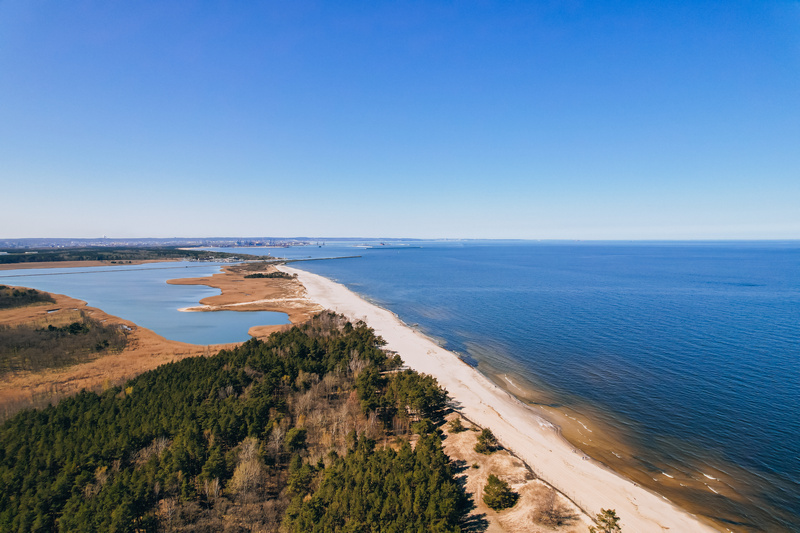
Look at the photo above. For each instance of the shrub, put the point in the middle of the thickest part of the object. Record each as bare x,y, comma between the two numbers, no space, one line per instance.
607,522
456,426
487,442
497,494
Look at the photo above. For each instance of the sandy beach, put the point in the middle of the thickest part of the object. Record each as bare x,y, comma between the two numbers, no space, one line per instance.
532,438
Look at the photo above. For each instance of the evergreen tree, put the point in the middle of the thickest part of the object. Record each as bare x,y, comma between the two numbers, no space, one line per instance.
497,494
487,442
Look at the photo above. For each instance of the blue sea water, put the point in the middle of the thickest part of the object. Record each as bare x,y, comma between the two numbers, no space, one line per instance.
690,352
140,293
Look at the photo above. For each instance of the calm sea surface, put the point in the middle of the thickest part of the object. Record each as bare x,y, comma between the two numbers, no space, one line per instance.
687,352
140,293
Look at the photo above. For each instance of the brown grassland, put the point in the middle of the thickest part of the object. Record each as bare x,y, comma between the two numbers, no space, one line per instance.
539,508
145,350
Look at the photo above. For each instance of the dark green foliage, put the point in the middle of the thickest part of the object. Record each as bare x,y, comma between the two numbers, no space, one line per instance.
278,274
370,384
174,439
19,296
426,427
456,426
103,462
295,439
383,490
487,442
215,466
607,522
416,394
76,328
27,348
405,394
497,494
300,476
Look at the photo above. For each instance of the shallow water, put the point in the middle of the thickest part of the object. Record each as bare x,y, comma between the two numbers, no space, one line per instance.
140,293
685,357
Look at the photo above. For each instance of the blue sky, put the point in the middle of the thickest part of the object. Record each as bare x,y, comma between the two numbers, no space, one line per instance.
552,119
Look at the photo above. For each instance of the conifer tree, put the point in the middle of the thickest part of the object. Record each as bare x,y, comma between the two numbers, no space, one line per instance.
487,442
497,494
607,522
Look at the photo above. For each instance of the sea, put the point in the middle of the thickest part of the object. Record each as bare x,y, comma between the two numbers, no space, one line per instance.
676,364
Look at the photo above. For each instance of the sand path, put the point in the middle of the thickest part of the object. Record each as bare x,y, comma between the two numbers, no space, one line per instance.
532,438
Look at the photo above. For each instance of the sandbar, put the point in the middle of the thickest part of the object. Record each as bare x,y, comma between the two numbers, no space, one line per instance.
240,293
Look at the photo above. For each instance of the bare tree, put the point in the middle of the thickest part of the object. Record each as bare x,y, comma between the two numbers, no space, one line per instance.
249,475
211,489
356,364
166,511
549,510
275,444
248,478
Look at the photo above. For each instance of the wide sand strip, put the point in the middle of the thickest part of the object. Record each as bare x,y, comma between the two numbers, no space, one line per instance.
532,438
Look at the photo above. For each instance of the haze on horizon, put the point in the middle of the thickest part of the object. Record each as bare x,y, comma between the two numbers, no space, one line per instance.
545,120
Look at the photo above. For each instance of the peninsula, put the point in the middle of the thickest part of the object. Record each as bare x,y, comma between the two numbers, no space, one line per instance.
586,485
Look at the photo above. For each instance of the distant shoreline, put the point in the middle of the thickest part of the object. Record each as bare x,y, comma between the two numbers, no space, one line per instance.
76,264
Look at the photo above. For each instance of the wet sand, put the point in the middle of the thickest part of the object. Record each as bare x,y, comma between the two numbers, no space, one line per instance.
698,490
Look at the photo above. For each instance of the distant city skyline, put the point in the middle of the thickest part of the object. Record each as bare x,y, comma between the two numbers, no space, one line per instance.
549,120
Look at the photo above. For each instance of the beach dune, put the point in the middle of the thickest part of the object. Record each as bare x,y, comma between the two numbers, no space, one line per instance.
532,438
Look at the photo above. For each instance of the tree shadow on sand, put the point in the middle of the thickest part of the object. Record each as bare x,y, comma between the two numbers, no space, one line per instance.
471,522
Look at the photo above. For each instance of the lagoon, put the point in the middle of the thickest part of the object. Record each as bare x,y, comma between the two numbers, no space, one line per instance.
140,293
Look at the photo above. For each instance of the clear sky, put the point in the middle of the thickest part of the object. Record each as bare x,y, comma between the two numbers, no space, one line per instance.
537,119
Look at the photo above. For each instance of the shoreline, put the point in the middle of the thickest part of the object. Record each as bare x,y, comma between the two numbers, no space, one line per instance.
526,433
241,294
144,351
